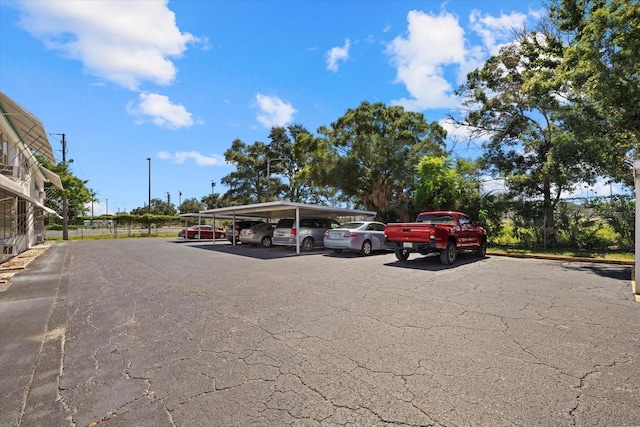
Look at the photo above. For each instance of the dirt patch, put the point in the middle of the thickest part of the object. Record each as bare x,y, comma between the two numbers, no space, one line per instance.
20,261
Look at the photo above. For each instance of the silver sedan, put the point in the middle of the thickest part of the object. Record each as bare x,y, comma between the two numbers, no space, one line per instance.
361,236
259,234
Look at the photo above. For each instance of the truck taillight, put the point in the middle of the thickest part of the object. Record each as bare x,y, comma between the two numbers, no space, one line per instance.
294,232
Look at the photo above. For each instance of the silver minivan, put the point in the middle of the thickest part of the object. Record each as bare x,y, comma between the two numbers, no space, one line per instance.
311,232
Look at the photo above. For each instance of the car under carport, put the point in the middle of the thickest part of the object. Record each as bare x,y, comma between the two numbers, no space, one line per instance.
282,209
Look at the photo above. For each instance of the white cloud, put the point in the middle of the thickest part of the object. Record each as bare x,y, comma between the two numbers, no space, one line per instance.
435,52
273,111
160,111
336,54
432,43
126,42
200,159
496,32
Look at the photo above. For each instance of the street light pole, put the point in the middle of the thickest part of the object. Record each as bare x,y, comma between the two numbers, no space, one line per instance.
65,206
149,199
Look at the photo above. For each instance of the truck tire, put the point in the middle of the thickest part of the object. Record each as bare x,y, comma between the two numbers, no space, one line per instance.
449,255
481,252
402,254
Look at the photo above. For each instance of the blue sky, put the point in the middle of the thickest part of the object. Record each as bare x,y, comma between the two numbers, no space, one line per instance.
178,81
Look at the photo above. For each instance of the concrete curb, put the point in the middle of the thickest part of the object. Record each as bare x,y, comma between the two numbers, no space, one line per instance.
564,258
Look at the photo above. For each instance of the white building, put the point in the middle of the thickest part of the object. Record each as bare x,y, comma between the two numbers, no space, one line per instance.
22,179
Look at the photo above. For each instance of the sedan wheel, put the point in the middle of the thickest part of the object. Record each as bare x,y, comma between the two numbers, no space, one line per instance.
266,242
366,248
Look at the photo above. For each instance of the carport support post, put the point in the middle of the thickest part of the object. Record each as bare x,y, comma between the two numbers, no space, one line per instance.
297,231
636,175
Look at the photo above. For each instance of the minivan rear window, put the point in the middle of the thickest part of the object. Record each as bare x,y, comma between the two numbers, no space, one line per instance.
285,223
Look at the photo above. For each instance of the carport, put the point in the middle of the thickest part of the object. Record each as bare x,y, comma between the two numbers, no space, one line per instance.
281,209
200,216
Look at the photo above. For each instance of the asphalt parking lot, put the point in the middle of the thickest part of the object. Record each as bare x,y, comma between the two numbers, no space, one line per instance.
166,332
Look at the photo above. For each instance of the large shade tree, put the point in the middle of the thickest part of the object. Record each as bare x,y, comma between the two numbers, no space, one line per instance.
369,156
601,61
517,103
266,172
247,184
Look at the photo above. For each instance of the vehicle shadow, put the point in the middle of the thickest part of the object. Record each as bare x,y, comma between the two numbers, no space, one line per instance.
611,271
353,254
431,262
256,252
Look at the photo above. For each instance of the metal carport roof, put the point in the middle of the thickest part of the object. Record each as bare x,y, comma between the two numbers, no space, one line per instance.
282,209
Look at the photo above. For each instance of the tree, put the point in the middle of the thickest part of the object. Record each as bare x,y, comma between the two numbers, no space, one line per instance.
601,62
247,184
515,100
75,190
287,161
443,185
369,156
211,201
158,207
192,205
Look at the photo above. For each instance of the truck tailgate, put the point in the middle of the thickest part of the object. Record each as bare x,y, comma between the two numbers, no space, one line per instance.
409,232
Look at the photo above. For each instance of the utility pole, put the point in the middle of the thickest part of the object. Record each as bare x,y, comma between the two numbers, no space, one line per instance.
149,206
65,208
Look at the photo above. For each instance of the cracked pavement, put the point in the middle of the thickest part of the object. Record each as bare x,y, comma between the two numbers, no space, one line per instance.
159,332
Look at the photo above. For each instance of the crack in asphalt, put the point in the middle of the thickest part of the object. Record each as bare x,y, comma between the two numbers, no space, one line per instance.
313,362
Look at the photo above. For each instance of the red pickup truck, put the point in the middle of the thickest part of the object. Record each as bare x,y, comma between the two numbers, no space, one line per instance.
444,232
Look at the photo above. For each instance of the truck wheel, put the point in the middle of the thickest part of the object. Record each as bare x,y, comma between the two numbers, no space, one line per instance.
481,252
402,254
366,248
448,256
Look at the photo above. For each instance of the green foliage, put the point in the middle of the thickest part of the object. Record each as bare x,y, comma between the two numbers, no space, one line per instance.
158,207
248,183
601,62
369,157
279,160
514,100
619,212
439,185
192,205
75,190
445,186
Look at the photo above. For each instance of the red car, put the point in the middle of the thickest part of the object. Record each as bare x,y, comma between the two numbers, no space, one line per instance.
202,232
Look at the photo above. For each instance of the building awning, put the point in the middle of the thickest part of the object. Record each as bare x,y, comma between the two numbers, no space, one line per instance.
52,177
28,127
39,205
